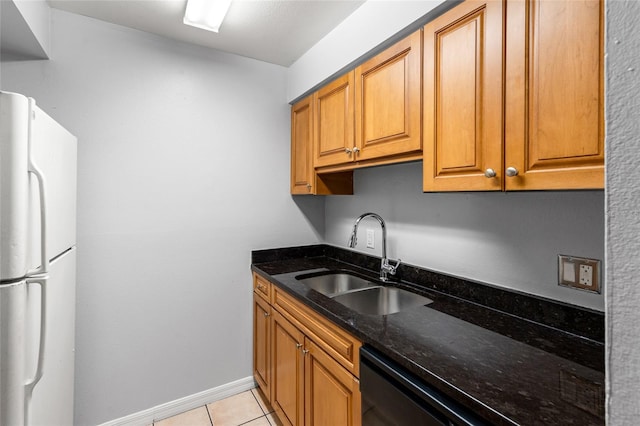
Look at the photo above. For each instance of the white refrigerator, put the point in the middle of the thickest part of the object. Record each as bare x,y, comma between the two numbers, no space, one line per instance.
37,265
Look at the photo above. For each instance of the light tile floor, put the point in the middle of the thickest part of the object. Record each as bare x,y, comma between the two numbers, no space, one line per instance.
248,408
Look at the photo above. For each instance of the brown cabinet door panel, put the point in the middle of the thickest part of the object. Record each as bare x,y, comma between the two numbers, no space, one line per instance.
261,344
287,371
463,83
302,147
388,101
332,394
333,106
554,128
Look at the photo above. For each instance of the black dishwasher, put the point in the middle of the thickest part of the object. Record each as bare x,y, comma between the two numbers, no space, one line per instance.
393,396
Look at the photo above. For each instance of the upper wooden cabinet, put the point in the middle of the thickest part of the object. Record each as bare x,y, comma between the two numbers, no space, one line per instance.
554,125
302,147
463,98
551,86
334,137
304,179
371,115
388,100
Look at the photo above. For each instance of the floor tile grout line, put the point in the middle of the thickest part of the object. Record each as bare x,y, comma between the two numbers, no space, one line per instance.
206,406
258,402
265,412
210,415
249,421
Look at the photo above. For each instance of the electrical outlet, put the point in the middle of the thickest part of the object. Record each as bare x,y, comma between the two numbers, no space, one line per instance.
579,272
371,238
586,275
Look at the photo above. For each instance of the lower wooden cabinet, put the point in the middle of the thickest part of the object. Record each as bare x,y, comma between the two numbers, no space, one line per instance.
262,344
305,366
331,393
288,371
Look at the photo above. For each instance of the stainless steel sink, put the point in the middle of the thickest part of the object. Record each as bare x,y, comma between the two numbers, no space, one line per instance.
360,294
381,300
332,283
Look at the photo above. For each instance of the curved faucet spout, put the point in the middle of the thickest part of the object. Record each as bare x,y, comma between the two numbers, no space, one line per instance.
385,268
353,240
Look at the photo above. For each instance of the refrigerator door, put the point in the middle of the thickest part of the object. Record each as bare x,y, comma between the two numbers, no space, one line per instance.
13,317
51,401
37,187
14,186
53,152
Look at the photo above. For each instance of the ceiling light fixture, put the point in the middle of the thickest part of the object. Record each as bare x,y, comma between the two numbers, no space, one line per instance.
206,14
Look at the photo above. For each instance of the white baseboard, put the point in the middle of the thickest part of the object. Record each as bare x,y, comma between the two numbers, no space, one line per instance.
169,409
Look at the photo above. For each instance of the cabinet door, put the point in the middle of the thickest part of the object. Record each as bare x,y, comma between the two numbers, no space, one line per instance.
554,128
463,83
334,139
287,394
332,394
302,147
262,344
388,99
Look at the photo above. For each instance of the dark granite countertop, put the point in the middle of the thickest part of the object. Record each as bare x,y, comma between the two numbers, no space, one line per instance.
511,365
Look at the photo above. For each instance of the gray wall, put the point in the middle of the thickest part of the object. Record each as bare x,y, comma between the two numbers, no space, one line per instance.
623,212
510,240
150,331
183,169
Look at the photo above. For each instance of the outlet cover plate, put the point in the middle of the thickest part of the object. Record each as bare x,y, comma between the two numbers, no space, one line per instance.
580,273
371,238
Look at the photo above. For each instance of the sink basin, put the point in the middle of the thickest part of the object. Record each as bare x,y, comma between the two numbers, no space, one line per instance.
381,300
332,283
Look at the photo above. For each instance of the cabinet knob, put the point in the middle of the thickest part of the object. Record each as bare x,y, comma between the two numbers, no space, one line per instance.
305,351
512,171
347,150
356,150
266,314
490,173
308,187
298,345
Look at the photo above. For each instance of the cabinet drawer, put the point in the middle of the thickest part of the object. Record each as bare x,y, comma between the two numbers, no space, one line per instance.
339,344
262,287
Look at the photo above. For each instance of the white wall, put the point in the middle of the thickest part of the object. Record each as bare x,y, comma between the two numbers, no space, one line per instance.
623,208
510,240
25,29
183,170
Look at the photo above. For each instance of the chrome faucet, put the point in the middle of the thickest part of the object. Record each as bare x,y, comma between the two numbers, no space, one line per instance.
385,267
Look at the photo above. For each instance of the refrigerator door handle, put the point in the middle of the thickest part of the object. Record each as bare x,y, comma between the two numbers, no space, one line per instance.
44,259
42,281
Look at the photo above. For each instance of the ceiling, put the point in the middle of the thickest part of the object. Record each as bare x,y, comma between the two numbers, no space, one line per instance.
275,31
